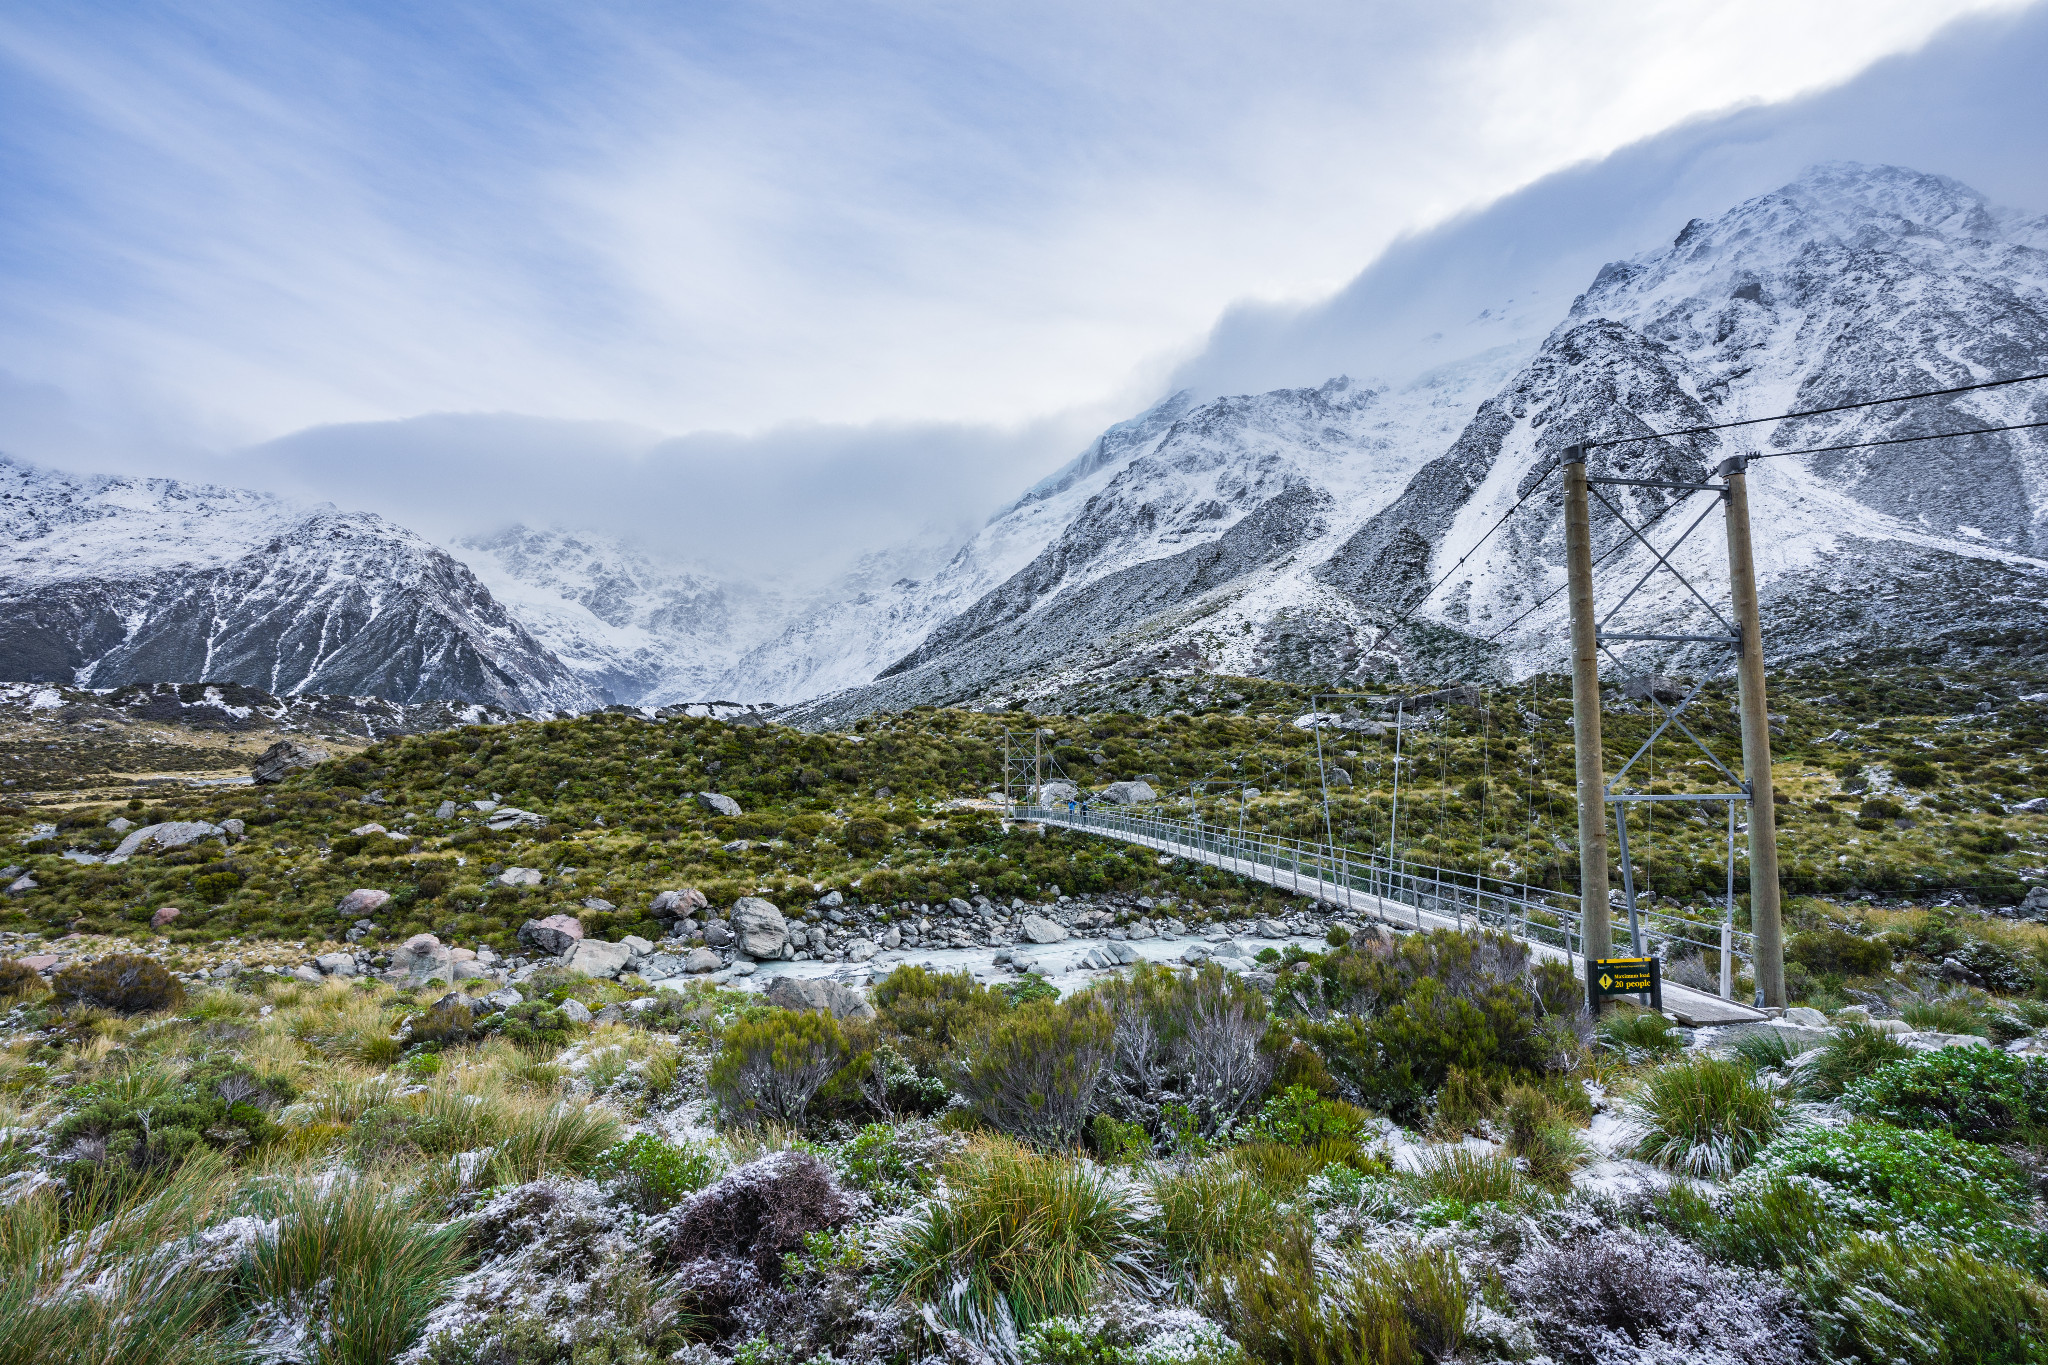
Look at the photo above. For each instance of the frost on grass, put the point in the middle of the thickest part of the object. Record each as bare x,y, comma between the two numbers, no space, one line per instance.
1613,1294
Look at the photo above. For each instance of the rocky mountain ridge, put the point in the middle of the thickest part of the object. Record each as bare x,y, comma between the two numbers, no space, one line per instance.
107,581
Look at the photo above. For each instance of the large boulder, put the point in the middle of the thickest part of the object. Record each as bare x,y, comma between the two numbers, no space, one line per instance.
762,931
1129,793
364,900
170,834
819,993
424,958
1039,929
1055,794
511,817
520,876
717,804
701,960
679,904
595,957
336,964
284,758
553,936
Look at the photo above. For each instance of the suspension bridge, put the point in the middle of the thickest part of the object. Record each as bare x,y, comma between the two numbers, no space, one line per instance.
1405,895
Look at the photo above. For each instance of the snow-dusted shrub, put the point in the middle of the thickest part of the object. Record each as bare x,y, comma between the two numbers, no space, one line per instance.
1035,1071
1973,1092
1928,1185
1197,1039
758,1213
1880,1299
1602,1294
1705,1116
1129,1337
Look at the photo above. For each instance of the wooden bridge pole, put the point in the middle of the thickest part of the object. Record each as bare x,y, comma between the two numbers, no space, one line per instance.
1768,964
1596,931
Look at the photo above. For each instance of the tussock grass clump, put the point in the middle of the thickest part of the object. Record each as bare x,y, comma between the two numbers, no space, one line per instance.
1019,1237
1544,1133
352,1255
1636,1034
1216,1211
1705,1117
1856,1051
1463,1176
141,1310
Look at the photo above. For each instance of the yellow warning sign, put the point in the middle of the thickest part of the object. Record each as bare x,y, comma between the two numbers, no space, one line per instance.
1625,975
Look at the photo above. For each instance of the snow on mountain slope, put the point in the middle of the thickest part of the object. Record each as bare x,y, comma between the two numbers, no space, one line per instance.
848,637
109,581
636,628
1852,282
1285,533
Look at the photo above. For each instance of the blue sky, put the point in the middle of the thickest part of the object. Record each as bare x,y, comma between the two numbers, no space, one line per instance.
923,248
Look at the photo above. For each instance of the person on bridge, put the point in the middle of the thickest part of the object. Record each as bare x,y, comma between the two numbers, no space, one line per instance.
1070,808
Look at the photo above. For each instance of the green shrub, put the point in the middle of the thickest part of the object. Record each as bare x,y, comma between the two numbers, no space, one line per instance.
1879,1299
1766,1049
1391,1020
1705,1117
1926,1184
882,1162
1019,1238
927,1015
1832,950
654,1175
17,980
769,1066
1977,1093
1854,1052
124,983
1119,1143
1034,1072
141,1122
1299,1117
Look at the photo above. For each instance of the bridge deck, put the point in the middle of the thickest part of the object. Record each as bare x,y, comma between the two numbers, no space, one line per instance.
1690,1007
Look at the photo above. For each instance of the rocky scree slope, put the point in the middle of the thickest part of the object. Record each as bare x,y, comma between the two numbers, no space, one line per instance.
109,581
1853,281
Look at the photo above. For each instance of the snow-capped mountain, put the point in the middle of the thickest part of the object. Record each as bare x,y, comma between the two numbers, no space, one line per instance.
1298,533
634,627
108,581
1284,533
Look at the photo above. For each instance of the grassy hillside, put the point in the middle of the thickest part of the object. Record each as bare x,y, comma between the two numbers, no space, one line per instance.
1893,787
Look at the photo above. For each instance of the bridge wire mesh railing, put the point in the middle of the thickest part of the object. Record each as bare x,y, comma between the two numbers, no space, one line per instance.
1337,873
